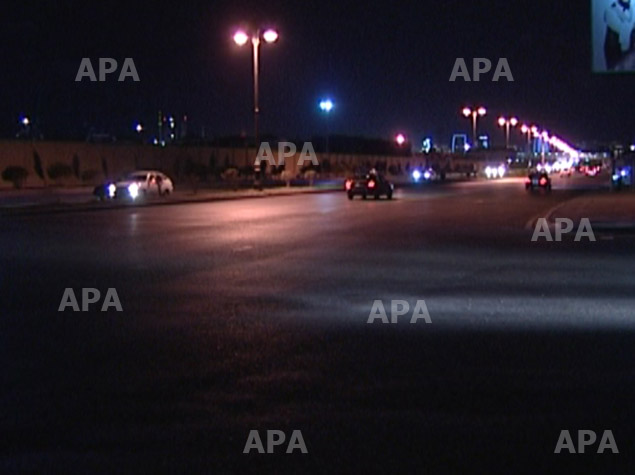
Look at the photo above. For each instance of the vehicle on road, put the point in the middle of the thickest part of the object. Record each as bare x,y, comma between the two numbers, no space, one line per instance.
593,170
105,191
538,180
136,184
369,184
493,172
623,178
423,175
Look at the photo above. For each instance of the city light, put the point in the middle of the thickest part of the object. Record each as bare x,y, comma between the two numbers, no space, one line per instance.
326,105
270,36
474,114
507,124
427,145
526,130
400,139
241,38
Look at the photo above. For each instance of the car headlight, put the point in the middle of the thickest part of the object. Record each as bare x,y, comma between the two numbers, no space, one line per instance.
501,172
427,175
112,189
133,190
416,175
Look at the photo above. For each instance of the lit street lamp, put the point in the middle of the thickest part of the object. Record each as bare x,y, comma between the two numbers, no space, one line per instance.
544,144
326,106
400,139
474,114
529,132
25,127
241,38
507,124
140,129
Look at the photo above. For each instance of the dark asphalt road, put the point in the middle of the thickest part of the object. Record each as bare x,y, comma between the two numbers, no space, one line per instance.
252,314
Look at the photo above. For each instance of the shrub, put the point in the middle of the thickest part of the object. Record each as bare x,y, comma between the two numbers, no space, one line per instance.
59,170
104,166
286,176
231,175
37,165
89,175
196,170
310,175
76,166
15,175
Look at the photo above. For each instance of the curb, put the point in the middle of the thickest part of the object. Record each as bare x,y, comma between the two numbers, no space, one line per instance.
59,208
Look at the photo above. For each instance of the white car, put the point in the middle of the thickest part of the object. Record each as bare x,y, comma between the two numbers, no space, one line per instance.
495,172
142,183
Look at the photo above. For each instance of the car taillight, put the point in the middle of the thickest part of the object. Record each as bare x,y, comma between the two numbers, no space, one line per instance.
349,185
543,181
371,184
527,181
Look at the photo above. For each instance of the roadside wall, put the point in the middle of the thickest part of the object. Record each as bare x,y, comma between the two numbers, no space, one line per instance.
94,163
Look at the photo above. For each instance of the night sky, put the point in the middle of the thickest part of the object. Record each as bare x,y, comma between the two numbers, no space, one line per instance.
385,64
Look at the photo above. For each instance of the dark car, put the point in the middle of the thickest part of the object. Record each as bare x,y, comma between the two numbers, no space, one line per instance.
105,191
538,180
369,184
622,178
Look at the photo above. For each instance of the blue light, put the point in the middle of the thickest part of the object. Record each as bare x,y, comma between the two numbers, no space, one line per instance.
326,105
416,175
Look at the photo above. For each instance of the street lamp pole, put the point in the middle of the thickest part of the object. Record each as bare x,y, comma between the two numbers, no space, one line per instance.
528,131
474,114
241,38
326,106
255,41
545,143
507,125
